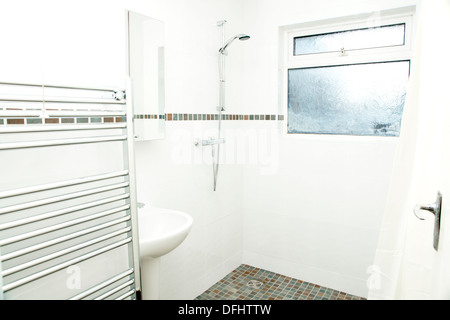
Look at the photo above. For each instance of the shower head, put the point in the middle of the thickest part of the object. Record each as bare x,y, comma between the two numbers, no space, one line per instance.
240,36
243,37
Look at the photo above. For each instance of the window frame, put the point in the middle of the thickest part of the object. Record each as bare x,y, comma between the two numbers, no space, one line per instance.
360,56
337,49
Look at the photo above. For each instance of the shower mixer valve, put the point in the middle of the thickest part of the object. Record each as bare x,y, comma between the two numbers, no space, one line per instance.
208,142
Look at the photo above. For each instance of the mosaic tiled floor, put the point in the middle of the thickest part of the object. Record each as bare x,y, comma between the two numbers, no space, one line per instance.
250,283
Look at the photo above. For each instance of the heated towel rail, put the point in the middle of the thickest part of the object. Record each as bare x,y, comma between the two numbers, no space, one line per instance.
68,215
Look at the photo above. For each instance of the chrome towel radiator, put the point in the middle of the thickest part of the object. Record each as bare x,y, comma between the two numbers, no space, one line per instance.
68,215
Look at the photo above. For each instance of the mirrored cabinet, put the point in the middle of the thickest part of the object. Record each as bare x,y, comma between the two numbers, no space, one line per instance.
145,57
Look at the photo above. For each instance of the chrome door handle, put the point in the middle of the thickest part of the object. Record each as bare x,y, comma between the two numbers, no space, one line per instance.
435,208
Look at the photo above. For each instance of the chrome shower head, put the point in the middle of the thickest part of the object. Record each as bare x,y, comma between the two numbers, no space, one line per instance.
243,37
240,36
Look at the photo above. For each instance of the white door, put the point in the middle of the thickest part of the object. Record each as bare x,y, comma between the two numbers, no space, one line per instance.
441,267
409,266
427,271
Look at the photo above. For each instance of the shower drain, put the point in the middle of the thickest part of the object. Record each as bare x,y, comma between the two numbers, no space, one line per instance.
254,284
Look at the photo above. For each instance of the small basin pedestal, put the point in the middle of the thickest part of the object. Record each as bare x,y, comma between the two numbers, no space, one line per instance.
160,231
150,278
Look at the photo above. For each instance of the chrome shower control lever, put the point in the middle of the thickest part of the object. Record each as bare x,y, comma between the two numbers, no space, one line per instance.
434,208
209,142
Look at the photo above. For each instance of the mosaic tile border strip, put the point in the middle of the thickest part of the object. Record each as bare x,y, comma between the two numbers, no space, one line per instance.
62,120
150,116
166,117
208,117
250,283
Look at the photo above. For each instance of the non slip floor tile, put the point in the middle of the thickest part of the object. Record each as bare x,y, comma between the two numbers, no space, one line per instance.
251,283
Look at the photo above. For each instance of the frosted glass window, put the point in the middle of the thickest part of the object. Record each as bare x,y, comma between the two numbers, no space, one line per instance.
360,99
384,36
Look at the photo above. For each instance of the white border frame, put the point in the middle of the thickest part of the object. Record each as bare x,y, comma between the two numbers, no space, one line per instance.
288,61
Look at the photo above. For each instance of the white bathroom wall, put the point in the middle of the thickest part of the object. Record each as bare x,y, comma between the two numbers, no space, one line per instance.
75,42
317,216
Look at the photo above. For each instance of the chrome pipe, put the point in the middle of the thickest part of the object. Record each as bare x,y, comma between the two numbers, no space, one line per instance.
39,85
59,142
115,290
102,285
21,222
68,196
59,100
74,235
126,295
62,184
63,252
63,225
64,127
132,183
63,265
60,113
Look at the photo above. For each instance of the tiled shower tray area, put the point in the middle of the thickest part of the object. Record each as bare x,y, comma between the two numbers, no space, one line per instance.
251,283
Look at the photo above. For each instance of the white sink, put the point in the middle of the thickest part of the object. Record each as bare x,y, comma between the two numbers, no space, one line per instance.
161,230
